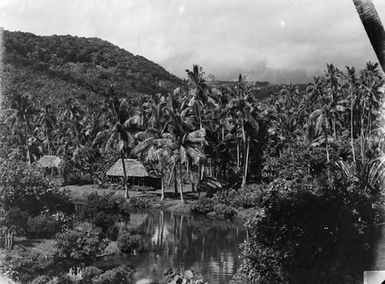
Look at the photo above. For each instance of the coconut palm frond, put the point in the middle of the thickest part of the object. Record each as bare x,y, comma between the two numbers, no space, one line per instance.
376,173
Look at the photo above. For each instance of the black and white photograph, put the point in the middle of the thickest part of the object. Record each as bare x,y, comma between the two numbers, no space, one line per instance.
192,142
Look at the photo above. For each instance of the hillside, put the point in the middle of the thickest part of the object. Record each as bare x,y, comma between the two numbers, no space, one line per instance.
57,67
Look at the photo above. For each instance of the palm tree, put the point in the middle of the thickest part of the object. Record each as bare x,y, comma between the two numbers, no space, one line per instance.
119,130
243,111
47,120
21,115
188,140
373,26
352,80
158,152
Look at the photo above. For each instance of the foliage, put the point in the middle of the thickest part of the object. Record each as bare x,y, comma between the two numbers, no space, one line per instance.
104,212
120,274
90,63
225,210
203,205
16,220
136,204
42,226
248,197
297,235
180,275
128,243
42,279
26,187
89,273
307,149
80,246
25,266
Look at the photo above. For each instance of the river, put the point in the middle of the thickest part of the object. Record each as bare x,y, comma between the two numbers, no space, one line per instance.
208,247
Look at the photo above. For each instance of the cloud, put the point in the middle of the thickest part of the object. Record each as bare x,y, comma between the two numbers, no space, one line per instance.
268,39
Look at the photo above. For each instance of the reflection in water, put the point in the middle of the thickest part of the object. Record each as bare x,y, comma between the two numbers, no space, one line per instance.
208,247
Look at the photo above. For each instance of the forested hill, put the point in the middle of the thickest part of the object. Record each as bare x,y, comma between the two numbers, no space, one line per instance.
70,66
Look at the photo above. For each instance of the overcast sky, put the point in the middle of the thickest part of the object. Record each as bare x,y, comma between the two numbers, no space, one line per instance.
275,40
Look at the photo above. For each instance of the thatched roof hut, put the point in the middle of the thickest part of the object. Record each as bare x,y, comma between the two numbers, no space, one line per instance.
49,161
134,168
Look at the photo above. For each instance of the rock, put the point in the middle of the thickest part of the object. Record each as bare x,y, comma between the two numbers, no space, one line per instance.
188,274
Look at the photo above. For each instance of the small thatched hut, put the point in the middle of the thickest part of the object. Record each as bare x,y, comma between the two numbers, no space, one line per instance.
137,174
51,163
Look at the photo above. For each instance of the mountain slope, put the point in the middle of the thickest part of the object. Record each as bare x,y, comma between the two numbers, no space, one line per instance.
58,67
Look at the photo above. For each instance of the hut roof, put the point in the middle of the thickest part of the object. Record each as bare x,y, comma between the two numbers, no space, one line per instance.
49,161
134,168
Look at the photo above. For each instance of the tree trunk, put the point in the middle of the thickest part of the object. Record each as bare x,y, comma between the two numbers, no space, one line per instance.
352,129
373,26
175,181
124,175
246,163
162,187
181,182
26,144
327,148
362,139
237,155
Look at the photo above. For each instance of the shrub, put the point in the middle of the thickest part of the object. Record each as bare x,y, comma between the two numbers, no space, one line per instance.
225,210
137,204
16,220
128,243
104,212
89,273
27,188
203,205
249,197
42,279
120,274
300,237
25,266
62,279
80,246
42,226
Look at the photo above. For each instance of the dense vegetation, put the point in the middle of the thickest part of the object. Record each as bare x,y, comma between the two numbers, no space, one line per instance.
90,64
315,155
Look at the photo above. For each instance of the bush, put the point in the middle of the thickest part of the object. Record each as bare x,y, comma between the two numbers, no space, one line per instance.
27,188
128,243
137,204
300,237
117,275
16,220
63,279
25,266
42,279
225,210
89,273
203,205
104,212
80,246
42,226
249,197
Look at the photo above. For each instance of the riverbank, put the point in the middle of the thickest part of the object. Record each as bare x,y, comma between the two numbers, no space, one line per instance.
171,202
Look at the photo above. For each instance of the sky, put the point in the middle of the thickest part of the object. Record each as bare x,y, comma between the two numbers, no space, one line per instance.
280,41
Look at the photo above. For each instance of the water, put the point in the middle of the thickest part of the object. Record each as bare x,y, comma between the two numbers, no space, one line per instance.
211,248
208,247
